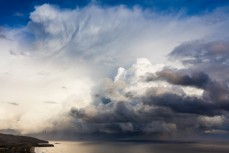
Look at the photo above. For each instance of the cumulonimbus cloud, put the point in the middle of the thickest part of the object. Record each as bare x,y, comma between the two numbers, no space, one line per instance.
62,55
161,107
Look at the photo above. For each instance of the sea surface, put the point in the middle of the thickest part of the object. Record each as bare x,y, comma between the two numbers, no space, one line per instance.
135,147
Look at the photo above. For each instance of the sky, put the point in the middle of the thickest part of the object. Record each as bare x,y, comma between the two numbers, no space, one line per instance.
105,69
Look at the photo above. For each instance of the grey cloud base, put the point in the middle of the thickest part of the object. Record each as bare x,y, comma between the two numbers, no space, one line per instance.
165,114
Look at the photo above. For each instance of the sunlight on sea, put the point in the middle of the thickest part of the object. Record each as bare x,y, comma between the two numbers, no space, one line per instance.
129,147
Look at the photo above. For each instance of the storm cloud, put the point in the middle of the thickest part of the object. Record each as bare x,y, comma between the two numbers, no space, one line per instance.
156,105
83,71
196,79
210,56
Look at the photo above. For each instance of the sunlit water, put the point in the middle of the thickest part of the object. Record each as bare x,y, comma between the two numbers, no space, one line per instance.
129,147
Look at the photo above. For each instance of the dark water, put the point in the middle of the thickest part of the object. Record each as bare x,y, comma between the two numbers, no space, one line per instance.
136,147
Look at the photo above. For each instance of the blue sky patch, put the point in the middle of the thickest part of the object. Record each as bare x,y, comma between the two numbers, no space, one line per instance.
16,13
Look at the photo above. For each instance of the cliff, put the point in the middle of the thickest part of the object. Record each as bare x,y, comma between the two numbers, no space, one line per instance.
20,144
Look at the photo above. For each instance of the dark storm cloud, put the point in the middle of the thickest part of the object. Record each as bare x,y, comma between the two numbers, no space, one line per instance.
150,120
210,57
184,104
123,118
217,92
164,114
215,99
197,79
151,112
169,111
213,92
204,52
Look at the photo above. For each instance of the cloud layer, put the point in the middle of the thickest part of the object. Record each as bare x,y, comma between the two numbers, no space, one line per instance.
163,105
59,72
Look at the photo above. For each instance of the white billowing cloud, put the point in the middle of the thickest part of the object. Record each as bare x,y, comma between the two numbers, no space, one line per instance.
133,80
53,63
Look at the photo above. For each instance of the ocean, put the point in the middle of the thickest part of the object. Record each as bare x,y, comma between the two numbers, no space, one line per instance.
134,147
